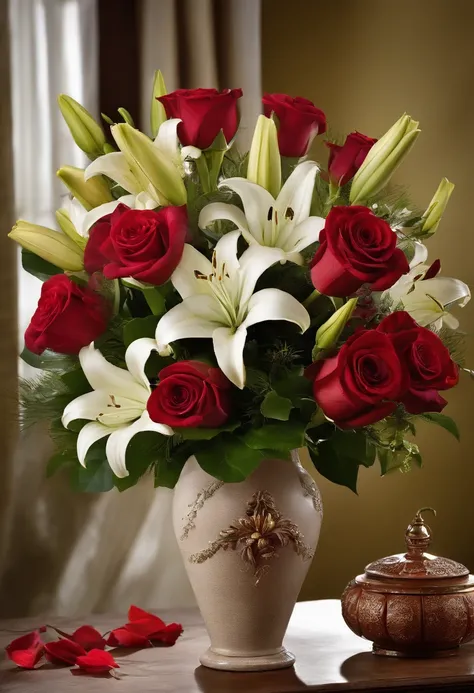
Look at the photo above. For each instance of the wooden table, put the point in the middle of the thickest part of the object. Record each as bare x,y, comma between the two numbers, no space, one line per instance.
328,658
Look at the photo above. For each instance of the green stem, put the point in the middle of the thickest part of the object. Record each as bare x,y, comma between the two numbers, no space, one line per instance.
312,297
155,301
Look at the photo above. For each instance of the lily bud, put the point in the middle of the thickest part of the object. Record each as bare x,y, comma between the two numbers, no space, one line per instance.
156,173
90,193
264,164
86,132
67,227
52,246
383,159
157,110
431,218
328,334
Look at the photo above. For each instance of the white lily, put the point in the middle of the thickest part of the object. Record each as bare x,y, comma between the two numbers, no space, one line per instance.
115,166
219,301
429,300
117,405
282,223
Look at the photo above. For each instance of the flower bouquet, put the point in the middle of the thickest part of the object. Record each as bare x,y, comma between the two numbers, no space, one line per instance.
205,313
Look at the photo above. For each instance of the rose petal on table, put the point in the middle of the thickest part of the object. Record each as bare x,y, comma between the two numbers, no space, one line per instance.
123,637
63,651
143,621
97,662
89,638
168,635
26,651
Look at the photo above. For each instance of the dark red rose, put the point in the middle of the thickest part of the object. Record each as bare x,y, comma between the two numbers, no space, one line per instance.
68,317
204,113
299,122
190,394
362,383
429,365
356,248
345,160
144,244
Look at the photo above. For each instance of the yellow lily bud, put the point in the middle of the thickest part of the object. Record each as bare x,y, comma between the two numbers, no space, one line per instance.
383,159
328,334
264,165
90,193
86,132
52,246
431,218
156,173
157,110
67,227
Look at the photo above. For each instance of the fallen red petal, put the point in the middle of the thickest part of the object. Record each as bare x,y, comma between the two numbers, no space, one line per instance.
144,622
63,651
26,651
123,637
168,635
89,638
97,662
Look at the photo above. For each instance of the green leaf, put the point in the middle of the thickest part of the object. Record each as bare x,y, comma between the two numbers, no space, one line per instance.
276,407
228,458
339,470
97,476
276,454
444,421
49,360
143,451
58,460
168,469
76,382
205,433
35,265
287,436
400,458
138,328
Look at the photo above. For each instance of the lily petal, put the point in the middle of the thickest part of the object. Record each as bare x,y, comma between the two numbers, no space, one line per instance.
167,140
420,254
296,239
87,436
114,165
274,304
102,375
297,192
226,251
253,263
97,213
136,357
256,201
197,316
221,210
119,439
446,290
87,406
184,279
229,348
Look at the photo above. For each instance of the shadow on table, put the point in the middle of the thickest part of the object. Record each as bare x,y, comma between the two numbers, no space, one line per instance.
213,681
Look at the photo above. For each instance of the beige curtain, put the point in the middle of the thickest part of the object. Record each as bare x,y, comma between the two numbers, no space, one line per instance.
68,553
365,62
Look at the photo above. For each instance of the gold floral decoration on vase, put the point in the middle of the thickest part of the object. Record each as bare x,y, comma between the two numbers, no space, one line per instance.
258,536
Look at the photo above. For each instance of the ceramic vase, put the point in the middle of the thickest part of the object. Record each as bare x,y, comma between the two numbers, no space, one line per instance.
247,548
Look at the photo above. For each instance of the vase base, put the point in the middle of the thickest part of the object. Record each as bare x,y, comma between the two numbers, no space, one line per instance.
279,660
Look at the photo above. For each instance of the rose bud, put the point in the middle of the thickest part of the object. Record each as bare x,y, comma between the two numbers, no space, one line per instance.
345,160
356,248
299,122
203,113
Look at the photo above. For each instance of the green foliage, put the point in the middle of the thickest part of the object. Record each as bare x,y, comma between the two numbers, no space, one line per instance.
273,436
228,458
49,360
35,265
276,407
444,421
96,476
138,328
205,433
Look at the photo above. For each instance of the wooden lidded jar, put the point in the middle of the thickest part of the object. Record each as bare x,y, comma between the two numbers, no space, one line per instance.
412,604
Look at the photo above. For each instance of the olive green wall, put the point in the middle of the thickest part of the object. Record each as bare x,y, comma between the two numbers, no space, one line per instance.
365,62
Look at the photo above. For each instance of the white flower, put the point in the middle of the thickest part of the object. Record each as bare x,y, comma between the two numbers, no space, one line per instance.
117,405
219,303
428,300
282,223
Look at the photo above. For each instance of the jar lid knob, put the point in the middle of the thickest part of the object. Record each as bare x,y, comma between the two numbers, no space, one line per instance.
418,535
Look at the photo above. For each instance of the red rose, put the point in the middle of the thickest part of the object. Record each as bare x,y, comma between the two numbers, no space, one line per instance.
426,359
299,122
356,248
190,394
204,113
361,384
144,244
68,317
346,160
